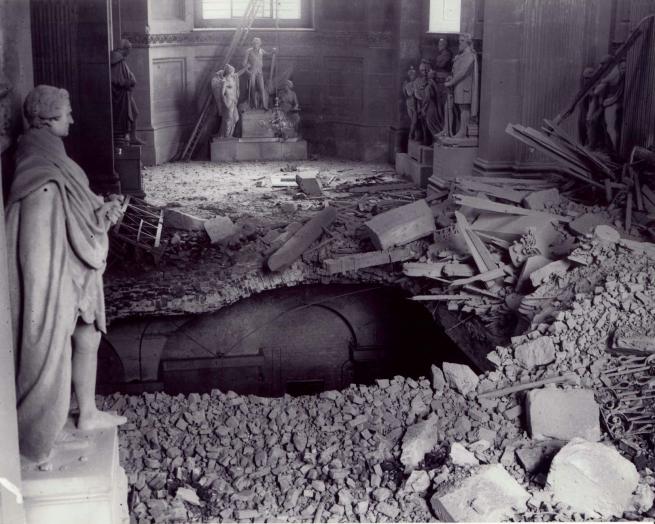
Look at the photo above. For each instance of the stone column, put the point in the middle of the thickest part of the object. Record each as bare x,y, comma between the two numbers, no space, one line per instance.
534,54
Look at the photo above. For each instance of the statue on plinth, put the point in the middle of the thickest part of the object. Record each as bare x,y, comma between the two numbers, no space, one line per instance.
254,62
463,83
423,134
287,103
410,102
443,62
57,249
124,107
225,88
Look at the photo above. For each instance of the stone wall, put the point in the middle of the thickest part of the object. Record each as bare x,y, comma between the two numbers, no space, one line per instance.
344,70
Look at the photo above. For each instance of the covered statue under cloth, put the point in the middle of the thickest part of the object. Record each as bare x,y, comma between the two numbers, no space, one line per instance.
57,247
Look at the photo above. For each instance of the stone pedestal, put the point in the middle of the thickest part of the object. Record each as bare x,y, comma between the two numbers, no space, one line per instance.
127,162
452,161
416,164
257,149
256,123
86,484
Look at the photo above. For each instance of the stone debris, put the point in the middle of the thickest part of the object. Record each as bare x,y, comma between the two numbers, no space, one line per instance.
593,479
563,414
179,220
460,377
460,456
219,228
489,495
419,481
418,440
537,352
188,495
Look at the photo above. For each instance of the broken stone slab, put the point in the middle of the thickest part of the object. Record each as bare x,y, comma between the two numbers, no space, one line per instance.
587,222
460,456
308,184
592,478
180,220
541,275
537,352
188,495
460,377
401,225
419,439
490,495
563,414
219,228
607,234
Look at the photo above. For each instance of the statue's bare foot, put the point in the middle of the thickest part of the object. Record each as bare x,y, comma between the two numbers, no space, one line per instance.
99,420
43,463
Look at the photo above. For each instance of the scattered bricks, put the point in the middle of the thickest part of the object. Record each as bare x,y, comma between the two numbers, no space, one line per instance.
387,510
179,220
460,456
513,413
593,479
491,494
344,497
487,434
361,507
537,458
537,352
460,377
219,228
358,421
246,514
560,414
438,379
418,481
418,440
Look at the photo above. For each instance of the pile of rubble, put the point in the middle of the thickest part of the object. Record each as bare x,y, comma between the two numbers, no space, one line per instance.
568,289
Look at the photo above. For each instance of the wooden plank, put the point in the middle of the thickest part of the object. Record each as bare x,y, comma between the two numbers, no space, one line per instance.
440,298
463,227
495,207
370,259
423,269
298,243
488,276
401,225
497,192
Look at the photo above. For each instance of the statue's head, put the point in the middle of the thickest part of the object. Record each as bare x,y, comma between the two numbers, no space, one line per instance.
442,44
465,40
288,84
229,70
424,67
220,74
48,107
125,46
256,42
411,73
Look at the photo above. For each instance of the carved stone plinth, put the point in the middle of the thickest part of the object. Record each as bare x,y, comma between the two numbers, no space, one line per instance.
257,149
454,159
256,123
413,170
86,483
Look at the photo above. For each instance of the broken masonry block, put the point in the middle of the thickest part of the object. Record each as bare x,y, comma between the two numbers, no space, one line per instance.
460,377
438,379
401,225
419,439
180,220
460,456
536,458
537,352
490,495
219,228
592,478
563,414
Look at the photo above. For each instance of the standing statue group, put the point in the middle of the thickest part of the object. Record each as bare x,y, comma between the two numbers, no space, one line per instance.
226,91
440,101
599,122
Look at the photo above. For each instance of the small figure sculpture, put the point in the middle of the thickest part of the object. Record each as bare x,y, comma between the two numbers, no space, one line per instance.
410,102
610,90
288,104
124,107
583,132
464,82
225,88
254,61
57,247
432,109
443,63
420,84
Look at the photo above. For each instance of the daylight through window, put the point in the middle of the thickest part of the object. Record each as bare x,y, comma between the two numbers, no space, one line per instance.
445,16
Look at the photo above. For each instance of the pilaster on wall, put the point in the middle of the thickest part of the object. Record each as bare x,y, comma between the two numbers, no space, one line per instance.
534,54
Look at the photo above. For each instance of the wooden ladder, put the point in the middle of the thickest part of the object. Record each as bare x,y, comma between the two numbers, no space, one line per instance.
238,40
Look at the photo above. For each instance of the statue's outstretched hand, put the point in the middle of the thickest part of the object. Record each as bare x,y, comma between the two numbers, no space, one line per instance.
110,212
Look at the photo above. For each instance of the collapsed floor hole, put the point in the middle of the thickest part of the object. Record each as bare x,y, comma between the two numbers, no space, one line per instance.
296,341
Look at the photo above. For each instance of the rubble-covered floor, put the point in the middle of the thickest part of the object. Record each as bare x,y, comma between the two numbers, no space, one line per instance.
349,456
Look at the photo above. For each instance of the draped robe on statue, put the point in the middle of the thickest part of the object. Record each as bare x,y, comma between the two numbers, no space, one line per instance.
57,249
122,83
